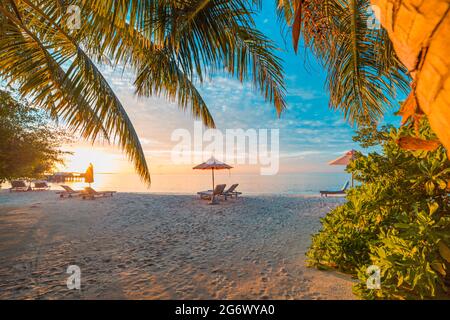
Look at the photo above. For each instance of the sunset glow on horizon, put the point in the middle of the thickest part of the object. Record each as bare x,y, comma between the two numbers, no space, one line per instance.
104,159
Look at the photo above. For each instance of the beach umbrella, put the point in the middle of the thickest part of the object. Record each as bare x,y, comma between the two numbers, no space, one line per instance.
89,175
212,164
344,160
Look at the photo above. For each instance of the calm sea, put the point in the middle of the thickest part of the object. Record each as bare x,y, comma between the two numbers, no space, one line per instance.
294,183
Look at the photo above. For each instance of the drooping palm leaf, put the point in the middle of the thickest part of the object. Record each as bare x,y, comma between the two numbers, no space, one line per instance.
55,48
363,72
167,43
199,36
23,54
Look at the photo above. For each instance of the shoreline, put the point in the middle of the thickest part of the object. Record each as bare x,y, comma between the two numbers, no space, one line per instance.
312,194
150,246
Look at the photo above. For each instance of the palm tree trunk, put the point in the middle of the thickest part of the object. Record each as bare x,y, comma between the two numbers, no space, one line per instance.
420,32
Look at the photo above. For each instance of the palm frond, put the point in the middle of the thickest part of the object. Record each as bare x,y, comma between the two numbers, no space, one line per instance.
25,61
160,73
157,73
168,44
363,72
53,47
201,37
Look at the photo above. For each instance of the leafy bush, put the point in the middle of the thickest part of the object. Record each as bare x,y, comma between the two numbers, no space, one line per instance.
398,219
29,142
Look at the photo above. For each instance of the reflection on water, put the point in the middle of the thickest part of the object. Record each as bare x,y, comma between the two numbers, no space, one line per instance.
296,183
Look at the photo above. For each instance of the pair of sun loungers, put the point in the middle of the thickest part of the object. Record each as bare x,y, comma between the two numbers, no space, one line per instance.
339,192
20,185
88,193
219,190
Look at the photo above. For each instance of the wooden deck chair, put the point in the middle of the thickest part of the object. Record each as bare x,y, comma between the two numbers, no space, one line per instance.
210,193
40,186
18,185
231,192
90,194
68,192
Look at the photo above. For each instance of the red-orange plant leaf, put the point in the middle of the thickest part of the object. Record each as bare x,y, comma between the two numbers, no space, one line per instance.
412,143
408,108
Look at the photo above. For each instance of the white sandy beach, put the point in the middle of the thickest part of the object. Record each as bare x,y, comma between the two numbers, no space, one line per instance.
144,246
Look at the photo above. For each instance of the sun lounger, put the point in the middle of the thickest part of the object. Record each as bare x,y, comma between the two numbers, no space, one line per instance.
18,185
210,194
231,192
68,192
41,185
342,191
90,194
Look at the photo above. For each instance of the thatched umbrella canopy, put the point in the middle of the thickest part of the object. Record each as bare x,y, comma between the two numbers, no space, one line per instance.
344,160
212,164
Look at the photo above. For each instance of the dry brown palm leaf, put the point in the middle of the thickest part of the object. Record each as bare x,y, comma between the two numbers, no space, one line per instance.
297,25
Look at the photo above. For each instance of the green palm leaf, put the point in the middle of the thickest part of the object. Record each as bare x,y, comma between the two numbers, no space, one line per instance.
41,73
167,43
363,72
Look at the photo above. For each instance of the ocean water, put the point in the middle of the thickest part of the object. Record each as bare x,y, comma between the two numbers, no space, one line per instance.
283,184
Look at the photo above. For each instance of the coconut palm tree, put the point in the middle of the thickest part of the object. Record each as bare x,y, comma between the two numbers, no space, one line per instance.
170,46
364,73
419,31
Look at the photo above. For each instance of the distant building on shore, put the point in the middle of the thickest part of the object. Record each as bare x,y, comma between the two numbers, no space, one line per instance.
65,177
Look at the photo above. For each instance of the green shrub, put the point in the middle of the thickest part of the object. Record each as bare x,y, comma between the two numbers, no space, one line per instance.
29,141
398,219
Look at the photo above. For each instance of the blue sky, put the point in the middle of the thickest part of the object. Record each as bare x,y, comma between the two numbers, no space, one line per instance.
311,134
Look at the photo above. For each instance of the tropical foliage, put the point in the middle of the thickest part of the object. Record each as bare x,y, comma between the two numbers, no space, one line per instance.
30,143
363,71
170,46
397,219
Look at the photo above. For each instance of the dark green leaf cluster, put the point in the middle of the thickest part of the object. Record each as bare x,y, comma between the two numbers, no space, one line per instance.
30,143
397,218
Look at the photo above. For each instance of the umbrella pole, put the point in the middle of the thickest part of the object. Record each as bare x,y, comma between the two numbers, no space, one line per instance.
212,173
213,200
